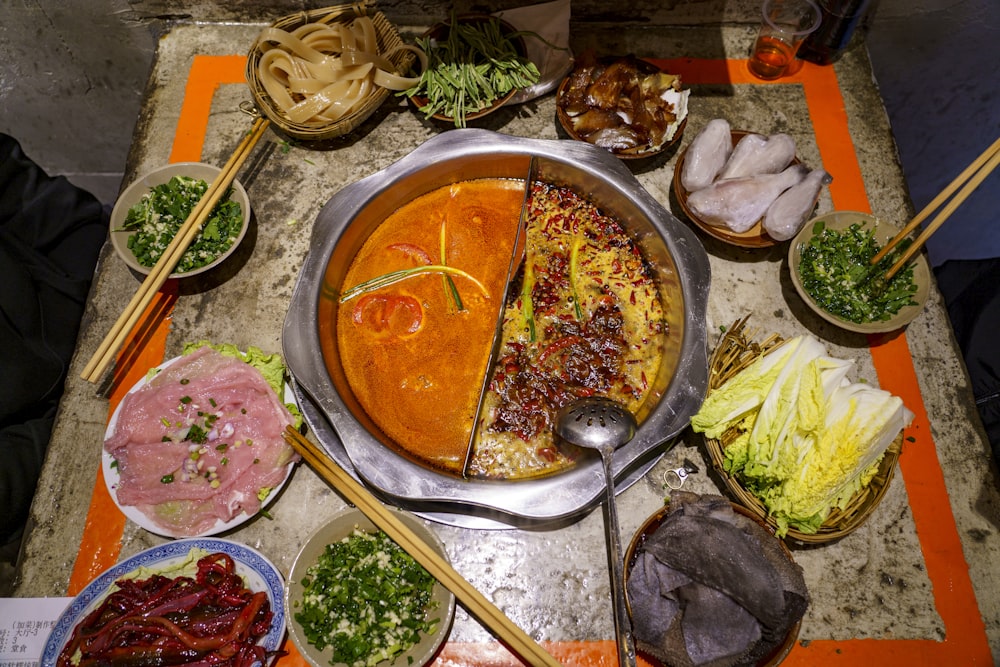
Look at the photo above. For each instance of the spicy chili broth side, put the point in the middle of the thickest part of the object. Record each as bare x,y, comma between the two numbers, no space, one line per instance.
585,317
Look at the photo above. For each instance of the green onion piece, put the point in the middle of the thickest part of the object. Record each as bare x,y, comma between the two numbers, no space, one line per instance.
449,284
394,277
527,310
574,269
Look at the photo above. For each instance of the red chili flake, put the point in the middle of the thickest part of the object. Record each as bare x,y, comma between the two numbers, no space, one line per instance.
549,454
558,345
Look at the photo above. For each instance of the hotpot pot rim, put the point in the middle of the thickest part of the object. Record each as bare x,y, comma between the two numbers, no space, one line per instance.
546,499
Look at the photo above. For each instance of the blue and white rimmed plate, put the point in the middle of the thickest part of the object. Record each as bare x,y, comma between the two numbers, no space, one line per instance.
258,573
111,476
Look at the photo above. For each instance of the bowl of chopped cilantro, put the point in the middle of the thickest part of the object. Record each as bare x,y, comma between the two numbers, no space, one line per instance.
830,265
149,212
354,597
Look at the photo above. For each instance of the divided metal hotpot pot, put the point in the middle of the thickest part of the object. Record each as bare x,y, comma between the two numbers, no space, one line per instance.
347,433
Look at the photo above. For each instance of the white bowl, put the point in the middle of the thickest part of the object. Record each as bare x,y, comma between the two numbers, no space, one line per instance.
339,527
135,192
882,232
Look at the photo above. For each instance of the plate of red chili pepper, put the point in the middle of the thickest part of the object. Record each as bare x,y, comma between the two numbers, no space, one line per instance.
186,601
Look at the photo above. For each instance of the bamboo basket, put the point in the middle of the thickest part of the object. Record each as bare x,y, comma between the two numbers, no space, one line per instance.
736,350
388,39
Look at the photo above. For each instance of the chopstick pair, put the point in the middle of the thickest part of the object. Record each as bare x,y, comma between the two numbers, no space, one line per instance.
973,175
474,601
98,364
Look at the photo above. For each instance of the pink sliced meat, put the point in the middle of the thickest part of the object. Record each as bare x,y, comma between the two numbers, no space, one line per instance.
198,443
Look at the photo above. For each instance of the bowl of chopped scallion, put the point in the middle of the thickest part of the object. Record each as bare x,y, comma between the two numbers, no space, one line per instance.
150,211
830,265
355,597
475,64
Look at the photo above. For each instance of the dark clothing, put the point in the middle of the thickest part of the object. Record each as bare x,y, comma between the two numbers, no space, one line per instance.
51,233
970,290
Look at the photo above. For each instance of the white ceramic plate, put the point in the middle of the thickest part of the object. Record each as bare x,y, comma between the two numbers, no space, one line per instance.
111,477
258,573
339,527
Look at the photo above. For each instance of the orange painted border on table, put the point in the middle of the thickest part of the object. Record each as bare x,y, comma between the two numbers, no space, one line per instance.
145,346
965,639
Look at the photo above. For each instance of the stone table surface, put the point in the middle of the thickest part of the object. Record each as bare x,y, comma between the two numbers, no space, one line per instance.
913,584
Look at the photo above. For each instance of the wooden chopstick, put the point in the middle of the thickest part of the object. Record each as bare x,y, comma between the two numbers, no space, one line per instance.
158,275
971,177
474,601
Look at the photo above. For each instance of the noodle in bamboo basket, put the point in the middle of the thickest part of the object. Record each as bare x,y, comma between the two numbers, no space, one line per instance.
319,74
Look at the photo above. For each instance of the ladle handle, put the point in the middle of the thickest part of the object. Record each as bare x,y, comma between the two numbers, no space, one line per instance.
623,625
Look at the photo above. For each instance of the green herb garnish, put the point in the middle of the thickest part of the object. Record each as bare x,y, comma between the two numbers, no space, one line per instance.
449,284
835,270
367,599
394,277
158,216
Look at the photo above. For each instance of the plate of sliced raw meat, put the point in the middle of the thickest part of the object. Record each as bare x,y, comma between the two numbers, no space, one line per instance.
196,448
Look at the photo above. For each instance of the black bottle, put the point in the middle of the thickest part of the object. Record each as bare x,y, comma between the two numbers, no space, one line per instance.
840,19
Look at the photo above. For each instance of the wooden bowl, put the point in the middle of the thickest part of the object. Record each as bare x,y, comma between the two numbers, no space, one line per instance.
755,237
388,41
653,523
882,232
566,121
439,32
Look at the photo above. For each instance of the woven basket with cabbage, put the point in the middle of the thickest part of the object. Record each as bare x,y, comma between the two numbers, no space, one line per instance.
796,441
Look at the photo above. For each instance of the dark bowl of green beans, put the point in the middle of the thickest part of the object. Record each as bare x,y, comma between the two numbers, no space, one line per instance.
830,265
475,64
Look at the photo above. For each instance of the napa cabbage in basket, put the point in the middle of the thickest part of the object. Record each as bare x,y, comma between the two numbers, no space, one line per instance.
808,438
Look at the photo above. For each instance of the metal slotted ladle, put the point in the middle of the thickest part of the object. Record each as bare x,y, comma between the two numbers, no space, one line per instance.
605,425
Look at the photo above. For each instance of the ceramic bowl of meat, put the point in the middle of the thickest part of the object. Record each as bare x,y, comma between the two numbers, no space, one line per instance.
426,319
730,533
349,550
829,262
152,208
152,474
753,237
597,103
